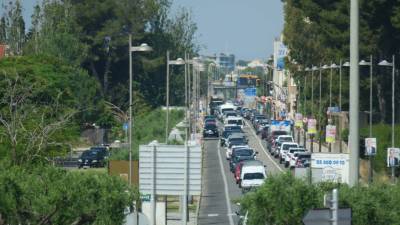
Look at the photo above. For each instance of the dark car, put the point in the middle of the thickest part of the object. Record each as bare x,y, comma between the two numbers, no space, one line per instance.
92,158
210,130
239,156
225,135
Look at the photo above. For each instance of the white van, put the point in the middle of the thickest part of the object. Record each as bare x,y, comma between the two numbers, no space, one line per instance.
252,175
236,120
225,107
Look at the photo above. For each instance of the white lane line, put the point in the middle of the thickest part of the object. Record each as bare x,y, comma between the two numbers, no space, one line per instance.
213,215
262,147
228,200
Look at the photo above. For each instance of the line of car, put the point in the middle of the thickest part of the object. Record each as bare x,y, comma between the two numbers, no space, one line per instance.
248,172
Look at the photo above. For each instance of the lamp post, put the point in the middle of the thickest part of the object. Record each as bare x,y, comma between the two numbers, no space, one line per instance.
307,69
141,48
392,64
178,61
364,63
324,67
208,84
314,68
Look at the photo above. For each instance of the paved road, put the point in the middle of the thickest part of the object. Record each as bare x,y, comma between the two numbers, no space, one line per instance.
218,185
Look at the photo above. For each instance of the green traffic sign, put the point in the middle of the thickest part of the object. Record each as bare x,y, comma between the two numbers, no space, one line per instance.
145,198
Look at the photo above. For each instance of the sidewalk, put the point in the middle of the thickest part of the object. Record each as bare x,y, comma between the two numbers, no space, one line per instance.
335,148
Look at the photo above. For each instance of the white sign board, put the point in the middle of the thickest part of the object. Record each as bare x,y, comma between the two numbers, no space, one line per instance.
370,146
393,155
162,169
330,167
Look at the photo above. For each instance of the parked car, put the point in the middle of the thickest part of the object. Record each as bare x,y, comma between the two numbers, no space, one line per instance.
285,146
92,158
290,155
210,130
252,175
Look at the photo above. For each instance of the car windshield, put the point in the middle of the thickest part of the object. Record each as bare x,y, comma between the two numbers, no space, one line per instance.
226,134
236,139
227,109
296,150
285,139
89,153
237,142
286,147
210,126
244,152
236,128
304,157
253,176
279,132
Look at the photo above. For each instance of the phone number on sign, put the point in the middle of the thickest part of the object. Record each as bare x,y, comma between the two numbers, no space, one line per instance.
329,162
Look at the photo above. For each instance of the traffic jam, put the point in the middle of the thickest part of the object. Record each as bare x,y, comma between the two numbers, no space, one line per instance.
228,122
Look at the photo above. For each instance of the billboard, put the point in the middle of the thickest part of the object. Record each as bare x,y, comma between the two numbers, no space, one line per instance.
283,125
280,52
330,167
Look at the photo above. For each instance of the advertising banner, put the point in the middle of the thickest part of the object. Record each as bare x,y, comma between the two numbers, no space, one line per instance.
393,155
283,125
330,167
330,134
370,146
298,120
280,52
312,126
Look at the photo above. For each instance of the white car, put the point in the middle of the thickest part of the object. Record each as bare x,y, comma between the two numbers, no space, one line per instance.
285,146
252,175
290,155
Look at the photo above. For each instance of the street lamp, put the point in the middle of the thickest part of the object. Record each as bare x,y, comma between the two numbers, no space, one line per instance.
178,61
314,68
392,64
364,63
333,66
307,69
141,48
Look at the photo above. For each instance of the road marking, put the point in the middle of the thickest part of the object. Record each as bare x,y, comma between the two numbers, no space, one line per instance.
228,201
262,147
213,215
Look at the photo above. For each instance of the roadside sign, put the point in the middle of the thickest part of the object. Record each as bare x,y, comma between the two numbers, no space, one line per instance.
370,146
250,91
299,120
323,217
330,134
145,197
312,126
331,167
393,155
125,126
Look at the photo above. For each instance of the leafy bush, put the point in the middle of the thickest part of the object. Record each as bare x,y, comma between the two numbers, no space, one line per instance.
46,195
285,200
148,127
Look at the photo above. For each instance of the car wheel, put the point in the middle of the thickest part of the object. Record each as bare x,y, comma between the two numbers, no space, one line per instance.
286,165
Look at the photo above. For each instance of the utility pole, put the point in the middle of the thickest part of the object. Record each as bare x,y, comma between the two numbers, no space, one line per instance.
354,94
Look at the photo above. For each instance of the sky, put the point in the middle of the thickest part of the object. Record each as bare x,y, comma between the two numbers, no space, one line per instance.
245,28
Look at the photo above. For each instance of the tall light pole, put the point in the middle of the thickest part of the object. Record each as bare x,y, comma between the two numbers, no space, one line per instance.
392,64
141,48
324,67
178,61
354,133
307,69
314,68
208,84
364,63
333,66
